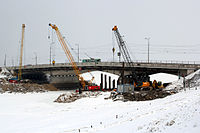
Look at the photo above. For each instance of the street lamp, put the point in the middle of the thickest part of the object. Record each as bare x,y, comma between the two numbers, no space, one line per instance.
148,38
35,58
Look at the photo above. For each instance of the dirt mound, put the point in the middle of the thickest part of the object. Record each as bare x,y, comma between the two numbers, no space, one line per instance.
73,96
49,87
140,95
22,88
6,86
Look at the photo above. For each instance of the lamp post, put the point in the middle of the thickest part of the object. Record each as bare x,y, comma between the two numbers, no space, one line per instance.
35,58
113,50
148,38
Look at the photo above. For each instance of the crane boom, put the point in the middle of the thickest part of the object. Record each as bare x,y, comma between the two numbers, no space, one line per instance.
134,78
92,77
21,53
68,54
122,46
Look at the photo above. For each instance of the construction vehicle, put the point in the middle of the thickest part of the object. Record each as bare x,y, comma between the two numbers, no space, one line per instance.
84,85
158,85
18,77
69,56
92,86
138,81
21,53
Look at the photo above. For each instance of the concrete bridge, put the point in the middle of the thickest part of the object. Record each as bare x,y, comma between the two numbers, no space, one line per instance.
62,73
112,67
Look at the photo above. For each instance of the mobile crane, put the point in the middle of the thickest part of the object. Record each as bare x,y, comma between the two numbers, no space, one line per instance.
138,80
69,56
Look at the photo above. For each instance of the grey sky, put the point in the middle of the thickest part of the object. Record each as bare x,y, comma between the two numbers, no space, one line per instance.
173,25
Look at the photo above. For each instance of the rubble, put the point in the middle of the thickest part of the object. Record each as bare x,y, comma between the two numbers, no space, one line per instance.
140,95
24,87
73,96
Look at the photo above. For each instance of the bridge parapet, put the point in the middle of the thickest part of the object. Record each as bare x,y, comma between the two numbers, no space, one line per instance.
112,67
114,64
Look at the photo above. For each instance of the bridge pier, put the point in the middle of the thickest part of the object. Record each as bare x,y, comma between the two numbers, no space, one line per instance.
109,80
105,82
101,84
113,84
186,72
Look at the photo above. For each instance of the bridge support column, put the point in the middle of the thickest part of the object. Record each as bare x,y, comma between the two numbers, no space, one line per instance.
113,84
190,71
101,84
185,72
105,80
109,80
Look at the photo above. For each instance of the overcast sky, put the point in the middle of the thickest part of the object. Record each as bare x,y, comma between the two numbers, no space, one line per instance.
172,25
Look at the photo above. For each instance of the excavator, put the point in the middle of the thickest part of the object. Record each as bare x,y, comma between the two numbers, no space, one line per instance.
71,59
138,80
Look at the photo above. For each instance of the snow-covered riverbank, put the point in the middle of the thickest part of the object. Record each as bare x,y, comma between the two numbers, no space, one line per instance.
37,113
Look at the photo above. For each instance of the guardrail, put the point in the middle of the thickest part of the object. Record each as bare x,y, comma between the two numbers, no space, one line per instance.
141,63
168,61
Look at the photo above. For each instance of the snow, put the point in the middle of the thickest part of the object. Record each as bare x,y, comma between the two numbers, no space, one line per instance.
191,80
178,85
4,73
97,77
190,76
37,113
3,76
164,77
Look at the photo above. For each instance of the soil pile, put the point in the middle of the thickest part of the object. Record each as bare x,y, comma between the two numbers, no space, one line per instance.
140,95
5,86
73,96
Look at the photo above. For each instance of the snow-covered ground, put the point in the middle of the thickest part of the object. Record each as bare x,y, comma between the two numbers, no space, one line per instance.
164,77
37,113
97,77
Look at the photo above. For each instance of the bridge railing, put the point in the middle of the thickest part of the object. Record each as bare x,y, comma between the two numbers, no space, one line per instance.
152,63
167,61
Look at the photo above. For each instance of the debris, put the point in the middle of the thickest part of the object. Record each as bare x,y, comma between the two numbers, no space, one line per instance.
170,123
140,95
73,96
1,90
22,87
